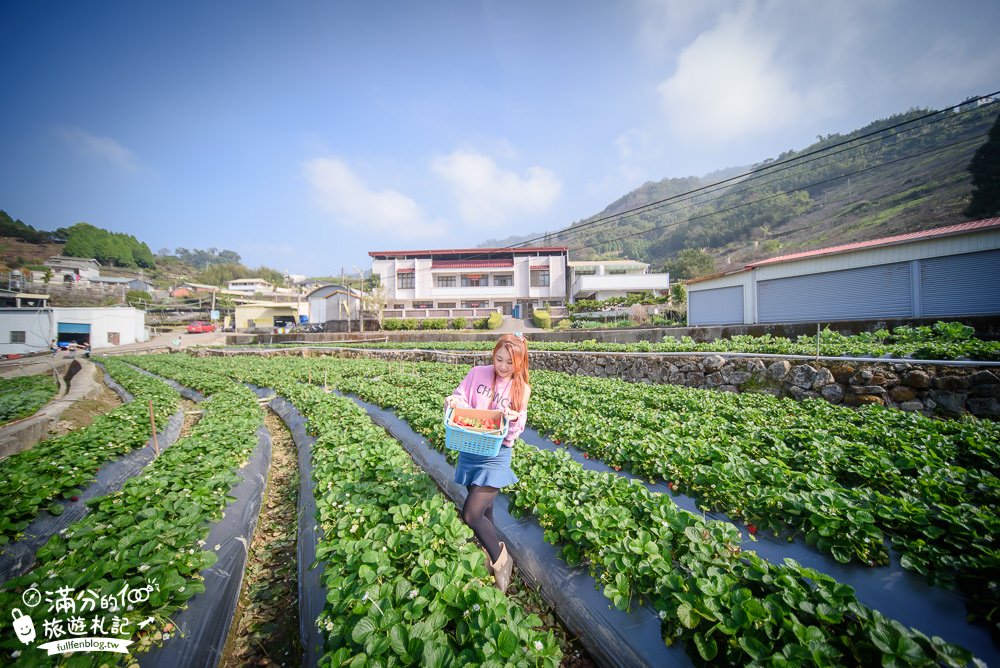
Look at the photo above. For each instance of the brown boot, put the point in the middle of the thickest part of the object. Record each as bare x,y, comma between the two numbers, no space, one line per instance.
502,568
487,562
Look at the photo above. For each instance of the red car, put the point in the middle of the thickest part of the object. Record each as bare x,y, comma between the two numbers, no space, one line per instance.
198,327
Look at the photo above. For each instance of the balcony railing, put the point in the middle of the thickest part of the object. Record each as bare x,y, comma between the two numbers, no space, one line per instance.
439,312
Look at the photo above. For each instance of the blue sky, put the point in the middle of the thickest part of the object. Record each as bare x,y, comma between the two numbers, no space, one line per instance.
303,135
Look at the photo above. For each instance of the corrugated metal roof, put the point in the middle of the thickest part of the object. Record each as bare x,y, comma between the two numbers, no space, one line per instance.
477,264
405,270
950,230
527,250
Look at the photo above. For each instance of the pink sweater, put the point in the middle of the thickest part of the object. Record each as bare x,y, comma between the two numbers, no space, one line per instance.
476,391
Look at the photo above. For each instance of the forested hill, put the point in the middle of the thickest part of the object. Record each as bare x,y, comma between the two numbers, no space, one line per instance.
911,178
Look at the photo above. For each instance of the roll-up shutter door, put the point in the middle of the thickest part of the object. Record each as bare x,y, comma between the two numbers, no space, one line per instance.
863,293
73,328
718,306
958,285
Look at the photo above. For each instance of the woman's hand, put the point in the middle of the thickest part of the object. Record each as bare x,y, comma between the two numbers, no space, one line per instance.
451,401
511,414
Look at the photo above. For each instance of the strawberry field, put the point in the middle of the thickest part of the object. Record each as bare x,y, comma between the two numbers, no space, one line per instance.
21,397
872,489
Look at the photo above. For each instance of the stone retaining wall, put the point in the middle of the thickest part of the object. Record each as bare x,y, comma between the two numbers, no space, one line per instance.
907,385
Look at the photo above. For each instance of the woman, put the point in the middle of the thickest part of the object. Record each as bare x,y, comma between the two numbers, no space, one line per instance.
502,385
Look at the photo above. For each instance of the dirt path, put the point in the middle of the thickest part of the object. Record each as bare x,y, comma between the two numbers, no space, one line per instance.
83,412
266,629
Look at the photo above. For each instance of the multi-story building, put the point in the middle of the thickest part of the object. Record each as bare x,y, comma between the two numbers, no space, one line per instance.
601,279
471,282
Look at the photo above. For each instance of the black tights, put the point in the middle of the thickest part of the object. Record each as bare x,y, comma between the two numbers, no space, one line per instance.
478,514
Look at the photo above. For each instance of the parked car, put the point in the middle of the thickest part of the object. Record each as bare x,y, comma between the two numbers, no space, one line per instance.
198,327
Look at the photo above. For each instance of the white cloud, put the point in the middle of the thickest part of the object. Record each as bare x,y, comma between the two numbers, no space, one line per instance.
660,23
491,196
352,203
728,85
102,148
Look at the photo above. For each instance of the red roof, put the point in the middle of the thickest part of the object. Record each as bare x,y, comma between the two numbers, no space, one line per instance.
525,250
464,264
539,266
404,270
950,230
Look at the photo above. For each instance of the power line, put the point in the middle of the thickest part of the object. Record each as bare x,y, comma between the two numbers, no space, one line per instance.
786,192
795,161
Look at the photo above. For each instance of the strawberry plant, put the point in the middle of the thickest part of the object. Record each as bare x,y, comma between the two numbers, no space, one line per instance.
727,606
54,469
942,341
23,396
153,529
405,583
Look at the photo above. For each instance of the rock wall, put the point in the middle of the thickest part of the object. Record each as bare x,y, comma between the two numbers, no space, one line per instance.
950,391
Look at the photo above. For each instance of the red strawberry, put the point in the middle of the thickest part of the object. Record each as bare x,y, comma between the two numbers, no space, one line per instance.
556,441
586,456
752,528
671,486
618,468
74,498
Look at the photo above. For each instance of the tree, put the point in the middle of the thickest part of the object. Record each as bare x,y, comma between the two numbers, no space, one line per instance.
138,298
985,170
678,294
690,263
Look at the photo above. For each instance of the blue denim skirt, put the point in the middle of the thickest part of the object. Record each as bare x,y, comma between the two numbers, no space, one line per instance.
480,470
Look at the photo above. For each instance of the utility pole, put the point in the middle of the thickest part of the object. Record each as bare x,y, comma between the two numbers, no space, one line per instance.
361,302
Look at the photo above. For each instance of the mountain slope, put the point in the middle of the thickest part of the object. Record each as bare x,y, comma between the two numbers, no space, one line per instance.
906,179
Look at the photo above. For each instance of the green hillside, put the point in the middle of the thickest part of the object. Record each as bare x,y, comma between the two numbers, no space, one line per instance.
908,179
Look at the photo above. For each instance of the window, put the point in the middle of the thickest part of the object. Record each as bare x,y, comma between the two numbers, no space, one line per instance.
586,271
446,304
503,280
114,338
446,281
422,305
540,278
475,304
17,337
616,271
405,281
399,307
474,281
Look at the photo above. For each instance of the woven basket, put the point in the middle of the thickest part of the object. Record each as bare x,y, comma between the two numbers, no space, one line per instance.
474,442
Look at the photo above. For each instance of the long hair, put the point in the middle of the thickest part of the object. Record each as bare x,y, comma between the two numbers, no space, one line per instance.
517,347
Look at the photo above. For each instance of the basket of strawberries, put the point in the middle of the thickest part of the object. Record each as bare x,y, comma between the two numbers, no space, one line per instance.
476,431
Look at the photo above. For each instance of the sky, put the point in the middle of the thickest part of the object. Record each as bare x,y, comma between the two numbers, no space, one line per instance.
303,135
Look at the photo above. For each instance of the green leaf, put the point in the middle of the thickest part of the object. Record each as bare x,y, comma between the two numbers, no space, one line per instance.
754,647
687,616
364,628
435,655
707,646
399,639
506,643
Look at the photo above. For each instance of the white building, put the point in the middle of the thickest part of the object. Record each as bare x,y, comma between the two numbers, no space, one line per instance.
251,285
29,330
601,279
333,302
72,269
471,282
951,271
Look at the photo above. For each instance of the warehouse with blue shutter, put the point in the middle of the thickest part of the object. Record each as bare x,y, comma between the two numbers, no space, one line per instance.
951,271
